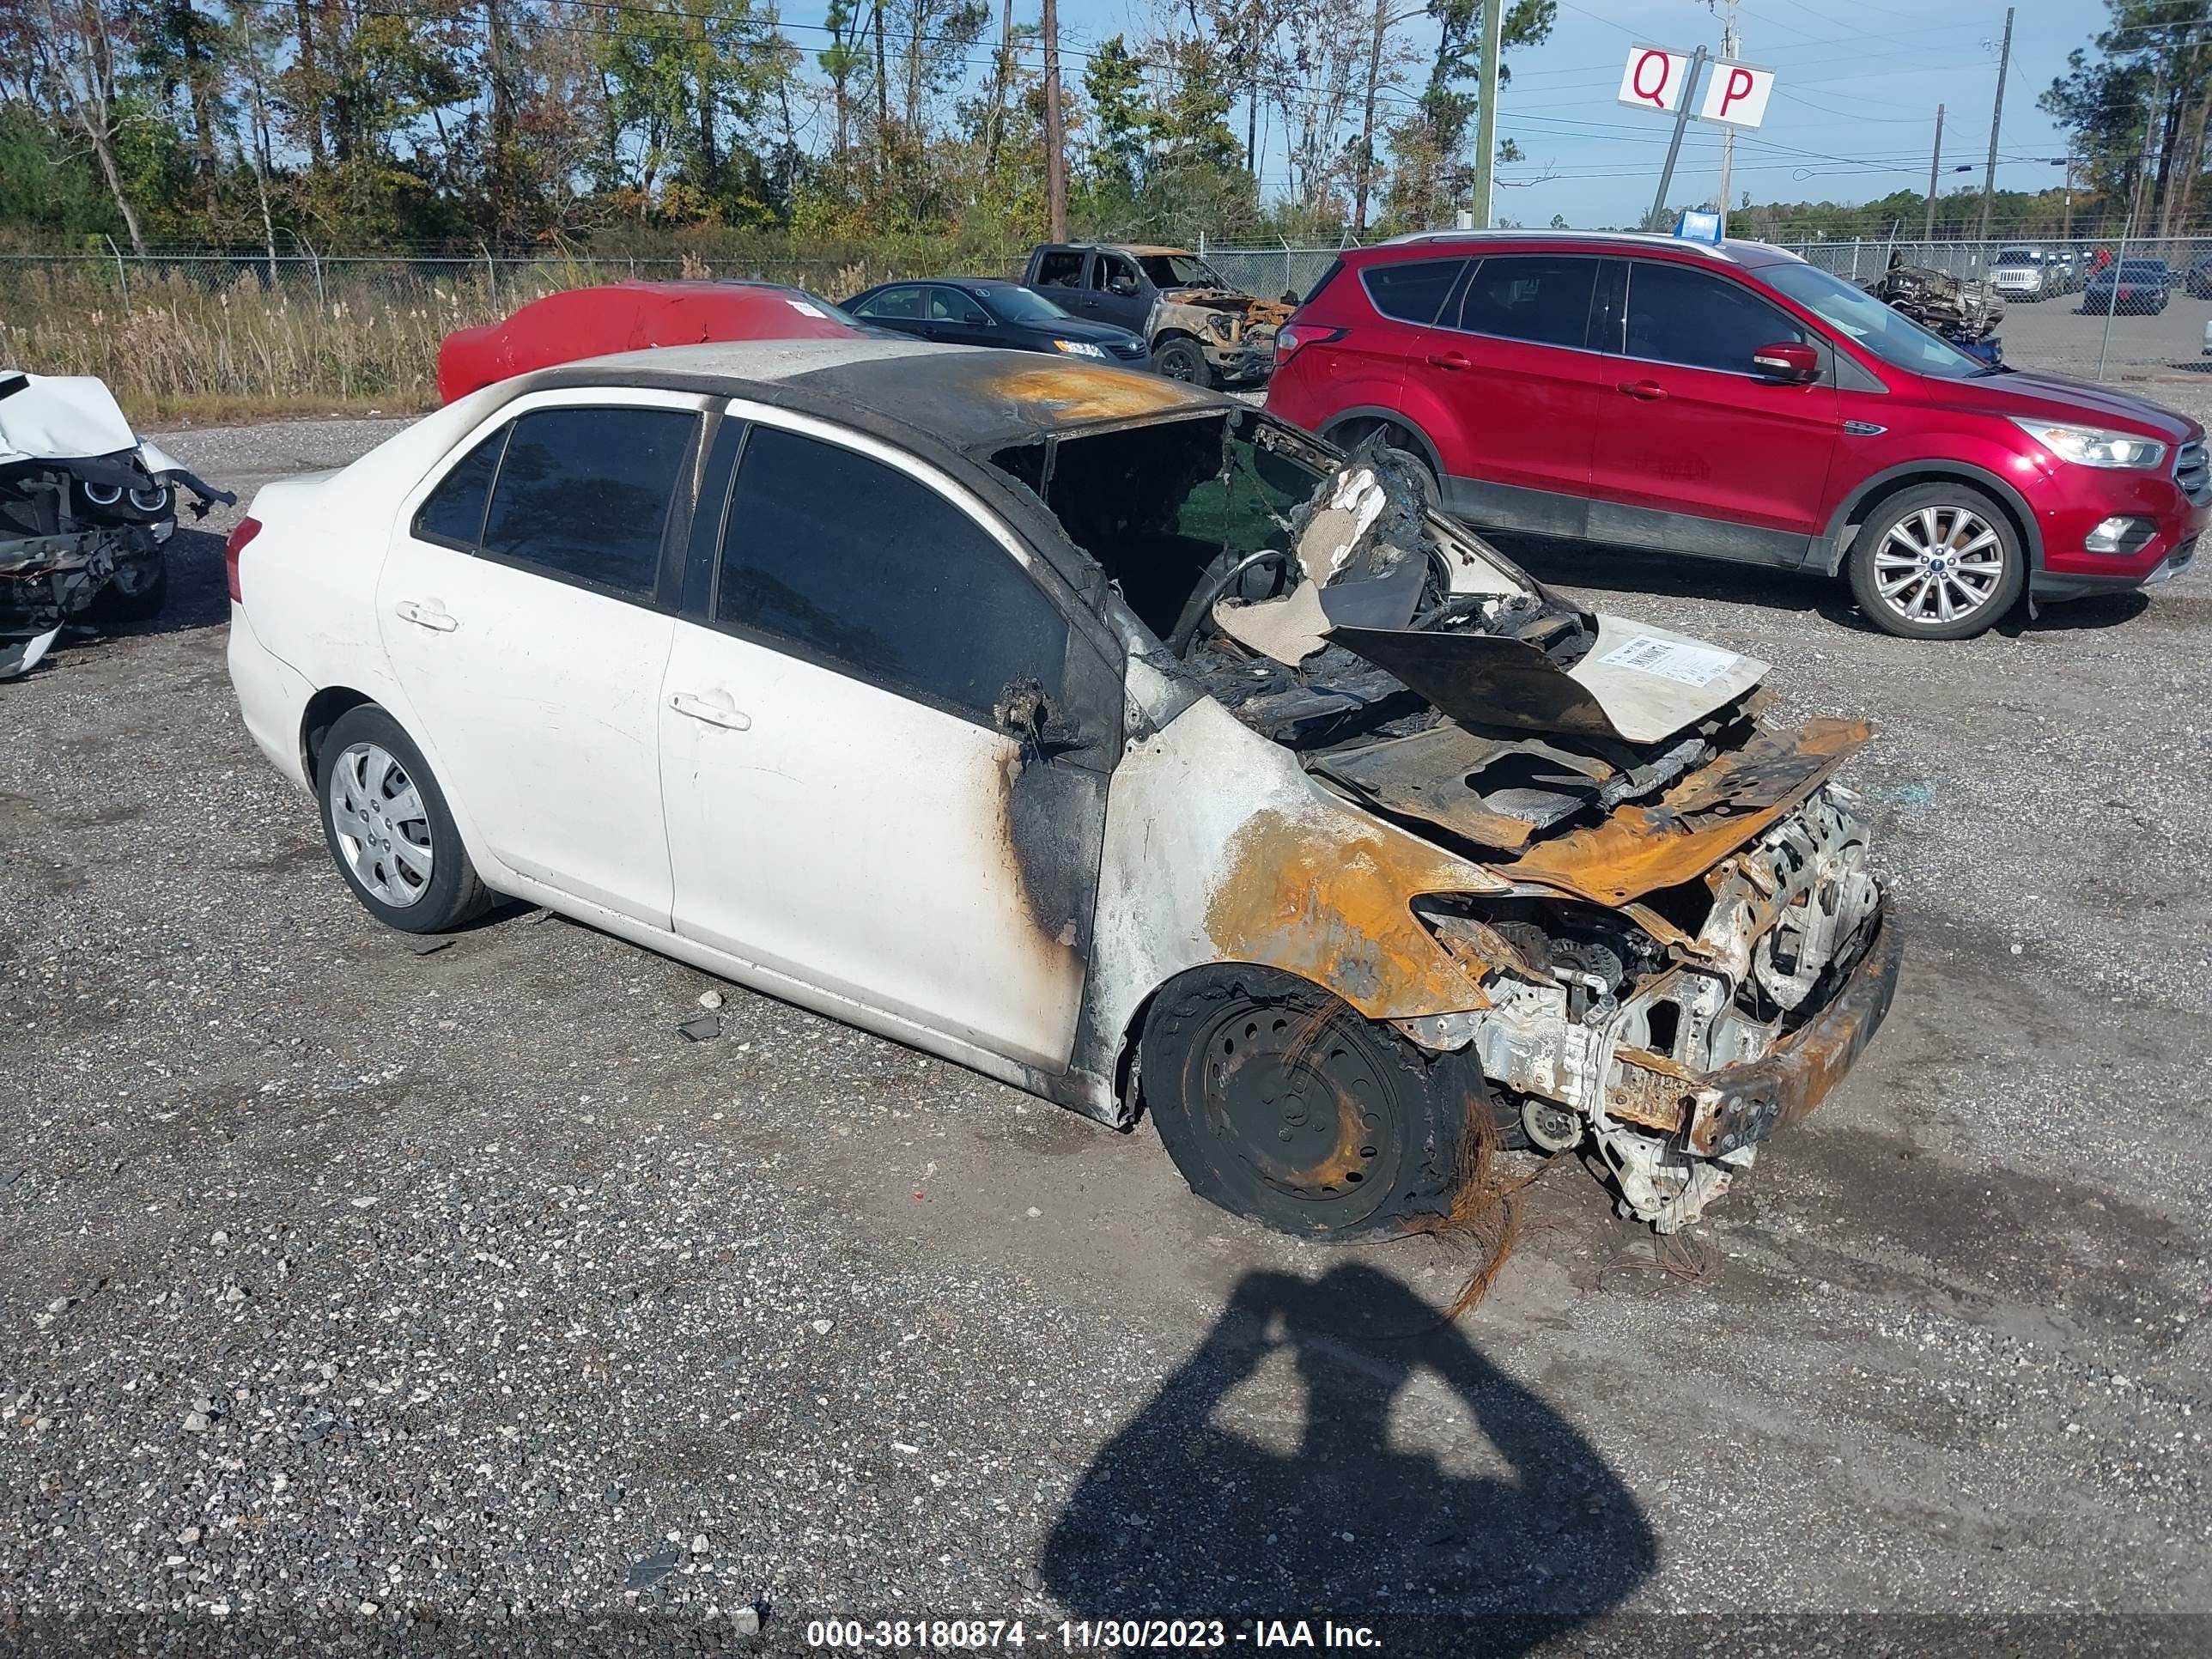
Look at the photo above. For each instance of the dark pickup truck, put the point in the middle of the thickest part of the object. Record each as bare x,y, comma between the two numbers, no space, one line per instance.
1200,328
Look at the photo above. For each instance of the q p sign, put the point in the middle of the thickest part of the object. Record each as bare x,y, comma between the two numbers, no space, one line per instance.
1655,78
1736,94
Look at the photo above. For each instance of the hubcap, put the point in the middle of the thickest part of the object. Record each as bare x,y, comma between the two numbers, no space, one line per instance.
1939,564
1176,367
1304,1110
383,831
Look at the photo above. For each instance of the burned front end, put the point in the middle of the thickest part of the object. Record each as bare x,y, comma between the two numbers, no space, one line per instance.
1562,853
85,509
1234,332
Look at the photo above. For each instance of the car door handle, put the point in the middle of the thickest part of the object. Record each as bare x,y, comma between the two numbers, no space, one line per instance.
1450,360
715,707
1649,390
431,615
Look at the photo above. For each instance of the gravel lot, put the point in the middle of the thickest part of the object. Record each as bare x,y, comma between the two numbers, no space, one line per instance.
2145,354
451,1297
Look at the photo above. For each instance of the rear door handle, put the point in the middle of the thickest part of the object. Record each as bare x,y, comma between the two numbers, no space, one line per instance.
715,707
1450,360
1649,390
428,614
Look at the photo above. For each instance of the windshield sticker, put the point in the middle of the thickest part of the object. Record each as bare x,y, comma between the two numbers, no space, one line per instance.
805,309
1671,660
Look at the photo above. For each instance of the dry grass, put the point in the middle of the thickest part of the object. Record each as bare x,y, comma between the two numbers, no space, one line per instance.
219,341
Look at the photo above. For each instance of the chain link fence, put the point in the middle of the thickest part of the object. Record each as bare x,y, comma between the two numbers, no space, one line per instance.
202,332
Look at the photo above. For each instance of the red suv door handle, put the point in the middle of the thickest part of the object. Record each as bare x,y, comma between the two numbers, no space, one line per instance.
1451,360
1649,390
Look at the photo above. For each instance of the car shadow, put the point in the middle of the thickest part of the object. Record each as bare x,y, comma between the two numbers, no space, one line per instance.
1185,1514
198,597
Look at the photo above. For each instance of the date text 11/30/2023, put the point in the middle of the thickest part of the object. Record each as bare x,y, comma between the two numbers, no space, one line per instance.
1087,1635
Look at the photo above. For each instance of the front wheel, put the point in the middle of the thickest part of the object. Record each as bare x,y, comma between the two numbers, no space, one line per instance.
1281,1103
389,830
1181,360
1937,562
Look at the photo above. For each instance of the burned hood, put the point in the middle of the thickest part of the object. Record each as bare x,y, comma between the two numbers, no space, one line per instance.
1271,312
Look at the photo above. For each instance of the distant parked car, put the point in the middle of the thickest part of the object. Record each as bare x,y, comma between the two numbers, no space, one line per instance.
2028,273
2198,284
962,311
590,322
1199,327
2133,287
1736,402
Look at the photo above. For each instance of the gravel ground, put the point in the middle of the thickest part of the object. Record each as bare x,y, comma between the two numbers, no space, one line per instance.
451,1297
2148,354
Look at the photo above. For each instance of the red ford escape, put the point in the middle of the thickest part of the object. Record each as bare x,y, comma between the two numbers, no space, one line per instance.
1736,402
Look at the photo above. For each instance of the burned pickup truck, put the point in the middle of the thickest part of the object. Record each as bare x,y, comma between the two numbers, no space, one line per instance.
85,509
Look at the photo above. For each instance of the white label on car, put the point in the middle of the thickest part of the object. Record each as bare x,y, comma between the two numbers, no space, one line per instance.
801,306
1671,660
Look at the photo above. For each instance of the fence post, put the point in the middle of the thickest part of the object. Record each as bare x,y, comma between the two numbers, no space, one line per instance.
121,281
491,276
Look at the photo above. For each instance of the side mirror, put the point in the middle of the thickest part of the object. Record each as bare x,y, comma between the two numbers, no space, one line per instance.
1790,360
1024,713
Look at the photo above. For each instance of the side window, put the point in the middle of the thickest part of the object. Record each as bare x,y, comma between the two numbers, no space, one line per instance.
895,302
858,565
1678,315
950,305
453,513
1061,269
1544,298
1113,274
1414,292
584,494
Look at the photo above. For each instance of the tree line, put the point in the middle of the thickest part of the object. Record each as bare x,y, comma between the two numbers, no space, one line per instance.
354,124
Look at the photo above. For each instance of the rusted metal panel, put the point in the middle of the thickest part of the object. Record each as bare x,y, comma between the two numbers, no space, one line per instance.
1640,849
1429,777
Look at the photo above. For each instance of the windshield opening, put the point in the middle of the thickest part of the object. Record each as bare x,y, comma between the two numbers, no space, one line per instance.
1179,270
1866,322
1018,305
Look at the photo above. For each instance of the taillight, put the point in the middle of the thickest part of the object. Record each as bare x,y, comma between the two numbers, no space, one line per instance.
242,532
1292,335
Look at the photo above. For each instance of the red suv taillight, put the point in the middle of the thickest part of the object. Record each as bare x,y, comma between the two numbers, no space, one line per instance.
244,531
1291,336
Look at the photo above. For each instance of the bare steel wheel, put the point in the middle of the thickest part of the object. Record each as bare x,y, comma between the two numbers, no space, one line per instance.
1937,562
383,832
390,831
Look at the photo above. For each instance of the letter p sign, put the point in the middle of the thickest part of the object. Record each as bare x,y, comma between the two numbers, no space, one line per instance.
1736,94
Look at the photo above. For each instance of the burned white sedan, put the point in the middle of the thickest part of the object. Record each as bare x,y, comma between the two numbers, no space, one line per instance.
1095,731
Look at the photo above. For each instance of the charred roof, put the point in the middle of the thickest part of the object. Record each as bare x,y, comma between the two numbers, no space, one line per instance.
960,396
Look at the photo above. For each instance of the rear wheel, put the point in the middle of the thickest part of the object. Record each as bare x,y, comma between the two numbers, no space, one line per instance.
1181,360
389,830
1282,1105
1937,562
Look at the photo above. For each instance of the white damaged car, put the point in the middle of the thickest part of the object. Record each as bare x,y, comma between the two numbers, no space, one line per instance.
85,508
1095,731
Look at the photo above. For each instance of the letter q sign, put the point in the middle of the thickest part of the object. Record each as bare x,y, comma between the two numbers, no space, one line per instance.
1654,78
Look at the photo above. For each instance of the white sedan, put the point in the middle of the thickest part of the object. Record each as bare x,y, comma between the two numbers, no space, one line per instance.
1100,733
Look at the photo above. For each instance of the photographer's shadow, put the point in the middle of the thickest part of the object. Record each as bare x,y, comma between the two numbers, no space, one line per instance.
1183,1515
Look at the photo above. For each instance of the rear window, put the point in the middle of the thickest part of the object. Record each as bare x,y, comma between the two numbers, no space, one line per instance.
1411,292
2143,270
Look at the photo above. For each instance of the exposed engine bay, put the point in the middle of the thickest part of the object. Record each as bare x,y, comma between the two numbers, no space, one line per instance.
85,508
1685,893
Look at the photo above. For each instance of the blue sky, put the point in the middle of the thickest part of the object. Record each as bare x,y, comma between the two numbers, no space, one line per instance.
1853,118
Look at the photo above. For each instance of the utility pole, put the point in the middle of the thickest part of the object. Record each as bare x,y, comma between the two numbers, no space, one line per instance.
1729,46
1055,140
1935,166
1485,115
1997,115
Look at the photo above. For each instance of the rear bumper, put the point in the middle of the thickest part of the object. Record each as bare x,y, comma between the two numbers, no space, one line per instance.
1739,1106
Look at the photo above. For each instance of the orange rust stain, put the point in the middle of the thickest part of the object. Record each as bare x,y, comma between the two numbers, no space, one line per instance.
1332,902
1075,393
1708,814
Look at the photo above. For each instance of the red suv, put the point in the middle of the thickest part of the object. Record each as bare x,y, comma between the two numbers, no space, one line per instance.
1736,402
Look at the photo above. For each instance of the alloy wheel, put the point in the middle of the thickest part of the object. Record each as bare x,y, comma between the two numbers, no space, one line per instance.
1939,563
383,831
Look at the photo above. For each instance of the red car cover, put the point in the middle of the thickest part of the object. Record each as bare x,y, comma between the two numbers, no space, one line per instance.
629,316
